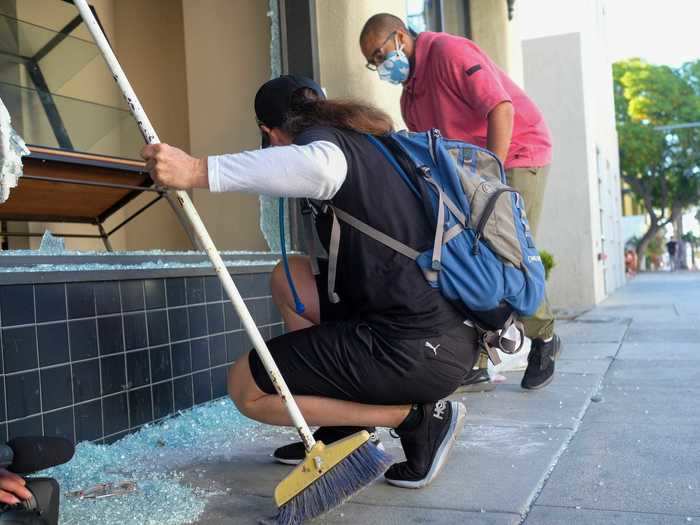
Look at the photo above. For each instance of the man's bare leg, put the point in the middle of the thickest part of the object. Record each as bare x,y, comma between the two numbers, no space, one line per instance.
305,284
318,411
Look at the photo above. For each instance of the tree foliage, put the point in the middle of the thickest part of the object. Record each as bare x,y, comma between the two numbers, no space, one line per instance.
661,168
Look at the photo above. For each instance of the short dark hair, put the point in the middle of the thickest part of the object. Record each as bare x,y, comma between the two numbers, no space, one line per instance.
381,22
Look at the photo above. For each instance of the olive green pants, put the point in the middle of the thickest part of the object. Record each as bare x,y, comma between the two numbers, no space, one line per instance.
530,183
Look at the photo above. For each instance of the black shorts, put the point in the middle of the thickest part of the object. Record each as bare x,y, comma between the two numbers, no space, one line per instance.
351,360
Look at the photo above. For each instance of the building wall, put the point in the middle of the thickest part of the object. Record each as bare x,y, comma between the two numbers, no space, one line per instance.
564,229
600,106
580,224
227,49
497,36
151,48
342,66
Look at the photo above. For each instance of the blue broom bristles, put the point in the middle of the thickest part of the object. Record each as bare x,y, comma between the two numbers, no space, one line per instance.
348,477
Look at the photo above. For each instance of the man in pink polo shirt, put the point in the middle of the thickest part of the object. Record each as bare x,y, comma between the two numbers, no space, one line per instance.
449,83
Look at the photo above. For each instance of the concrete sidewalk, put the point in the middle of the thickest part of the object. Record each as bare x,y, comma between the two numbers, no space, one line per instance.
614,439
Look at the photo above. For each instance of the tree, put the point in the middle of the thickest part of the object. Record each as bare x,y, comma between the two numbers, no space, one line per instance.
661,168
694,241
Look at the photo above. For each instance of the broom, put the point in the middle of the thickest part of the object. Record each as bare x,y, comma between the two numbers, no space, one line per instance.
329,474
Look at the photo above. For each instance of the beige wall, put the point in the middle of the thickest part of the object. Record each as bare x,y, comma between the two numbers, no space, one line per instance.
342,65
227,47
454,16
151,48
497,36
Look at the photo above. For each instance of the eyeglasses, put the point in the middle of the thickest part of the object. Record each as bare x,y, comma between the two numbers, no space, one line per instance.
377,55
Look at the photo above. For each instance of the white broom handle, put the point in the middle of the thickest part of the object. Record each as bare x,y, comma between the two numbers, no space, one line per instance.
183,198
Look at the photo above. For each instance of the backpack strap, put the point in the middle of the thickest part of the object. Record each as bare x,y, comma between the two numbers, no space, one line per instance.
443,200
312,244
440,224
333,248
369,231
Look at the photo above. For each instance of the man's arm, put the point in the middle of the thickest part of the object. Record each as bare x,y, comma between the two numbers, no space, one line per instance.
316,170
500,129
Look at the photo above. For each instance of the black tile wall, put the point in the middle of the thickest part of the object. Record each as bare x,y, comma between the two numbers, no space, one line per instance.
215,318
155,293
60,423
162,399
115,411
17,304
23,395
140,407
175,292
19,349
88,421
157,327
199,349
110,334
113,374
182,388
50,302
231,320
86,384
83,339
30,426
160,364
81,300
217,349
56,387
182,360
202,386
138,368
97,360
53,343
132,295
107,298
198,320
135,331
218,381
237,345
179,324
212,288
195,290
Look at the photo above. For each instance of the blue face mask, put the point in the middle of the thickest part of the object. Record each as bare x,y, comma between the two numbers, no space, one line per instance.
395,68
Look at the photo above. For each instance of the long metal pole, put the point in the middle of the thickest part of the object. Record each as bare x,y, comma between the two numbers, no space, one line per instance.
200,230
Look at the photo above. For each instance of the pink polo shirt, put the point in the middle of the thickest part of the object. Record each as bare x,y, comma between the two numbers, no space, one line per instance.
453,87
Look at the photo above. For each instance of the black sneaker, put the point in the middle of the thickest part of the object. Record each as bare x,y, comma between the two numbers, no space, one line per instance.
540,363
476,380
427,446
294,453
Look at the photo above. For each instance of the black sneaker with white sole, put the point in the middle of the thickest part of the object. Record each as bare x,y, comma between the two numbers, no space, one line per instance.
540,363
427,445
294,453
476,380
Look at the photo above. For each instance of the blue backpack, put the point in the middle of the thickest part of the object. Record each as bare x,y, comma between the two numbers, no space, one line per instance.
483,255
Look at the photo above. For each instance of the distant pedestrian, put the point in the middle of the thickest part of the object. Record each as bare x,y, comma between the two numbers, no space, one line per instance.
672,249
631,262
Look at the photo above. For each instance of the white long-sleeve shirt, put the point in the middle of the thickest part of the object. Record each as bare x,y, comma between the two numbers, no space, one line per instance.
316,171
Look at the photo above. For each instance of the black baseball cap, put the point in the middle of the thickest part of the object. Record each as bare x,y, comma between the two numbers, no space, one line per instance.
273,99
